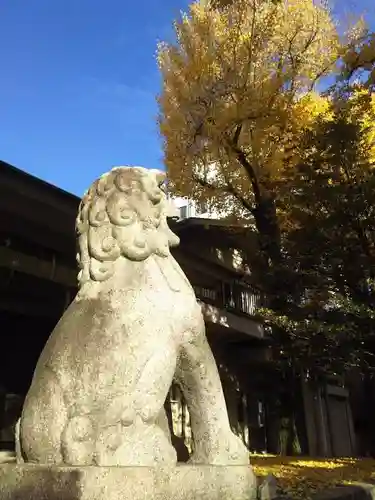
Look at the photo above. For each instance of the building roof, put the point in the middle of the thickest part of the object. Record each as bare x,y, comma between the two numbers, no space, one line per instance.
19,174
36,211
8,170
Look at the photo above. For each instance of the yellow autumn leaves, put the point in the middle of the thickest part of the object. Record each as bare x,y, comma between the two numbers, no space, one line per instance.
301,477
239,81
313,110
233,80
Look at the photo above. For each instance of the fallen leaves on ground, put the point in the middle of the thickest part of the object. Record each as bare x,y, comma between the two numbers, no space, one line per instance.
300,477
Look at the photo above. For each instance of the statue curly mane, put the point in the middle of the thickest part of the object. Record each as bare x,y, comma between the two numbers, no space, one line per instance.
123,214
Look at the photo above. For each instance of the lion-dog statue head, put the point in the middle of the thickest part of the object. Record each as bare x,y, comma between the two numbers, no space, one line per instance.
124,213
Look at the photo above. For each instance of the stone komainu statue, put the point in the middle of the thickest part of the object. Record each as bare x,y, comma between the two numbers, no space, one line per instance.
99,387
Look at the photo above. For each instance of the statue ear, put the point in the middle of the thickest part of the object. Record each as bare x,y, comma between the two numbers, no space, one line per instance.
173,239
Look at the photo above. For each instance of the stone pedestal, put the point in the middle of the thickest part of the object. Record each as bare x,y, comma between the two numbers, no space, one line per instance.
183,482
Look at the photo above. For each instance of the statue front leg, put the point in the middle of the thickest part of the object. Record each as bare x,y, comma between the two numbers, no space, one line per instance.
198,376
141,437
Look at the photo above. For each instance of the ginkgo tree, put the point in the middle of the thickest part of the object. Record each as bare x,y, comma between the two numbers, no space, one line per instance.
230,106
238,115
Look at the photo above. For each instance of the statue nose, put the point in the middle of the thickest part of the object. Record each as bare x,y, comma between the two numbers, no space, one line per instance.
160,178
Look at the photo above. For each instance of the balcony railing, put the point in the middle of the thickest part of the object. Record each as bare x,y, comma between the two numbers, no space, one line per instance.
233,297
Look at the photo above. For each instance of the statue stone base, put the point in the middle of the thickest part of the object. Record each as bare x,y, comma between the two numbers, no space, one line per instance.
182,482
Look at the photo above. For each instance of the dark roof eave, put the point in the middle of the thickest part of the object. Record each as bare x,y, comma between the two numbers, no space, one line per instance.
196,221
38,182
182,224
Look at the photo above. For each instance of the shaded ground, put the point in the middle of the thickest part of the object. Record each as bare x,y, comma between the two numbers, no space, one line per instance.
300,477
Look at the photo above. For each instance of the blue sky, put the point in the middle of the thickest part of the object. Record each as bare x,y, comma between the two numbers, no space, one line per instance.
79,81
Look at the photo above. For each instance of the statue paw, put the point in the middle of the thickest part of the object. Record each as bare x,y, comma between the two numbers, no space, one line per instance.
237,451
77,441
140,445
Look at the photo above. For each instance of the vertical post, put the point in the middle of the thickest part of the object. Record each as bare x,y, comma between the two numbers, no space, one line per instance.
246,421
326,434
183,420
2,411
223,299
309,414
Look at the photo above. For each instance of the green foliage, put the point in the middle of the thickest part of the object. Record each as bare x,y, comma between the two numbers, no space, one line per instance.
327,320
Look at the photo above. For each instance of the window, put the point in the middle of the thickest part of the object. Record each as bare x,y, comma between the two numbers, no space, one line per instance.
205,293
183,212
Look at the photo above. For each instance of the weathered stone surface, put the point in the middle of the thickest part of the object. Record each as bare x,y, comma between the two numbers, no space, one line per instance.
7,457
268,490
183,482
98,390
